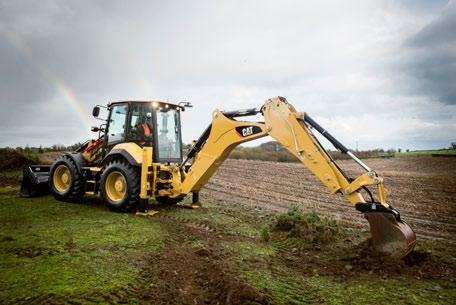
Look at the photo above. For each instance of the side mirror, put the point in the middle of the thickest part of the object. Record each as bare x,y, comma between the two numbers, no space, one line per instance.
96,111
184,105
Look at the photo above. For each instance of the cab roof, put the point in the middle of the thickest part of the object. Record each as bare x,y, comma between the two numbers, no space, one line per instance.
159,102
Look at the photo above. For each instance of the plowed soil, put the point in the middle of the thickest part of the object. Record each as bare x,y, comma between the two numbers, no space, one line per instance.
423,189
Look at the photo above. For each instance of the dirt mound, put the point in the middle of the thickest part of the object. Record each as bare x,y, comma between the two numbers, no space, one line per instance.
188,276
12,159
351,261
49,157
417,264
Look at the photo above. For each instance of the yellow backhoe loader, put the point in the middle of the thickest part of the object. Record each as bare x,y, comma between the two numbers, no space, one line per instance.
138,156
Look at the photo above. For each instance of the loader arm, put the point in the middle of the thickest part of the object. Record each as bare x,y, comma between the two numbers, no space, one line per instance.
292,129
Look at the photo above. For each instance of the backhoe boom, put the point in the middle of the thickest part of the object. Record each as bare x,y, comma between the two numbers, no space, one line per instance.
292,129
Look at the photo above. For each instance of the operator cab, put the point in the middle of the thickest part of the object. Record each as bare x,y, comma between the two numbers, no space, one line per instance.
147,123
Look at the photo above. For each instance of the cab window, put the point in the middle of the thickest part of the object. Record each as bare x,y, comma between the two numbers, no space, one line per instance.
117,123
169,145
141,124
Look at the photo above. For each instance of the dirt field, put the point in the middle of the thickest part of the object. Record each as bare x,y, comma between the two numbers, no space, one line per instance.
423,189
231,251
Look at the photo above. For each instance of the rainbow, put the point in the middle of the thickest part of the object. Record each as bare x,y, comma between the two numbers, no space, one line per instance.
62,88
71,98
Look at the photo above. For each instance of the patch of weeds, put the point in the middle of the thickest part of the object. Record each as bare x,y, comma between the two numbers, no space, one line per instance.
311,226
265,233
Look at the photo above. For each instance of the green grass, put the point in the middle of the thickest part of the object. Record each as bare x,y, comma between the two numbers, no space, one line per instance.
63,249
426,152
11,173
236,224
292,288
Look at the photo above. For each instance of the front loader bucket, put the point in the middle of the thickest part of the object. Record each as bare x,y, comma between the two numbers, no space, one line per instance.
390,236
35,180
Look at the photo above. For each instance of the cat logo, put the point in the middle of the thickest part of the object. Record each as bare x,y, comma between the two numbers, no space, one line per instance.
247,131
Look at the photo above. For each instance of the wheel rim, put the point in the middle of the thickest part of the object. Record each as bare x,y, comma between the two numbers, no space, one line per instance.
116,186
62,178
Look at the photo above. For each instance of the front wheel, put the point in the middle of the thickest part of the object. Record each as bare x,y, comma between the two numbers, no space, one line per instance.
65,181
120,186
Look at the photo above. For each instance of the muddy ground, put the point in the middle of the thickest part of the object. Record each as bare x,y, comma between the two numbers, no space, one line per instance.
423,189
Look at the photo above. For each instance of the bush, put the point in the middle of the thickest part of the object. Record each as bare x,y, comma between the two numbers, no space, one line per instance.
11,159
311,226
289,220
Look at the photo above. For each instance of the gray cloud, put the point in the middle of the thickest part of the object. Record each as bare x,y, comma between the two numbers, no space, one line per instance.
433,51
341,61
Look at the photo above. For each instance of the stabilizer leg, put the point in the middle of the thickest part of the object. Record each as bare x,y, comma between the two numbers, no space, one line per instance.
143,208
195,202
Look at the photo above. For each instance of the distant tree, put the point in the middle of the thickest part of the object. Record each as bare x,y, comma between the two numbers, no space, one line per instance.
40,150
391,151
453,145
407,150
399,150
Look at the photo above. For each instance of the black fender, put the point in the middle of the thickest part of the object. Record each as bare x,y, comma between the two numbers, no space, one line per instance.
119,153
77,158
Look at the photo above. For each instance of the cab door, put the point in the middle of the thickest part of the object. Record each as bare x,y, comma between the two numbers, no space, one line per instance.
168,146
116,125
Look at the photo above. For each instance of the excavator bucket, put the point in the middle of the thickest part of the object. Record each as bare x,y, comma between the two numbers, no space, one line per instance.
35,180
390,236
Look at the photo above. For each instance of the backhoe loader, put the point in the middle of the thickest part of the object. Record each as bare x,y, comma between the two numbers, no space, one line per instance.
138,156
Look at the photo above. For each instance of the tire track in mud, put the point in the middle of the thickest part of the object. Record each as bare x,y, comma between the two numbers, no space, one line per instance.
193,224
421,188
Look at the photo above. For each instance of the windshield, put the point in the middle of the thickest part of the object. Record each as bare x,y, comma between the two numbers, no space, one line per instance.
169,146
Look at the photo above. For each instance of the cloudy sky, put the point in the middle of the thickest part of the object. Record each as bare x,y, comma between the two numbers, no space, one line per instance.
376,73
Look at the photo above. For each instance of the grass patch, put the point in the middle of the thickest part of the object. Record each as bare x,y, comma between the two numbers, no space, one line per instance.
250,250
63,249
223,219
292,288
427,152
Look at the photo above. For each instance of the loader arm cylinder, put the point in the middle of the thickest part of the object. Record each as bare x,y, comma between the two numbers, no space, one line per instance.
325,133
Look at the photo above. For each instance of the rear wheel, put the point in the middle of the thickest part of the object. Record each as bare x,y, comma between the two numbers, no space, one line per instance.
65,181
120,185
